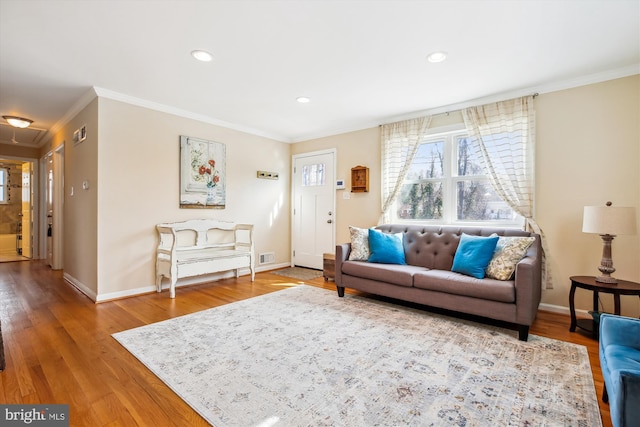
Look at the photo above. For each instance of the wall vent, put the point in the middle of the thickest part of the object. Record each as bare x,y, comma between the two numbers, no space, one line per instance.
266,258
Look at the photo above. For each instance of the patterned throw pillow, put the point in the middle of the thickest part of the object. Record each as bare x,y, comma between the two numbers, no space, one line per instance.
359,244
509,252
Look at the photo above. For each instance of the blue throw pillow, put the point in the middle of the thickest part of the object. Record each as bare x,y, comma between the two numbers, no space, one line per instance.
386,248
473,255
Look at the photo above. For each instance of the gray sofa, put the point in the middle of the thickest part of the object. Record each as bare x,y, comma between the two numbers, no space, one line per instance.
427,278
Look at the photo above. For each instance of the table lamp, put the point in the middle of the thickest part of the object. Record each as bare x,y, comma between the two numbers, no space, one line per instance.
608,221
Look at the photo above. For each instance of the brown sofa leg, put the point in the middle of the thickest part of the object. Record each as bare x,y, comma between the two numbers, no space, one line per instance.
340,291
523,332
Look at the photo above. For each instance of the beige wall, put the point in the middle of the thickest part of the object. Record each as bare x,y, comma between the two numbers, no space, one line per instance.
138,175
18,151
588,152
580,132
80,207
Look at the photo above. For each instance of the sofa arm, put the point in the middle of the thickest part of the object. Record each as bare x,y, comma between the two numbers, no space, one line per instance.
342,254
619,330
528,285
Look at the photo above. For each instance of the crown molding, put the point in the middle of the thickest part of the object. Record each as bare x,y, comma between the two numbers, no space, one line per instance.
540,89
117,96
78,106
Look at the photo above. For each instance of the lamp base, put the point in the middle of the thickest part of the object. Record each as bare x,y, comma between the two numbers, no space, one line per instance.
606,264
607,279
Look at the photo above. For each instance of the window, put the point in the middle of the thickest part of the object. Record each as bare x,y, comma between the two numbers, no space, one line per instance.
4,186
447,184
313,175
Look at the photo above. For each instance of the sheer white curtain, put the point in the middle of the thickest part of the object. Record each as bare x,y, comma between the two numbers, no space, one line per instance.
400,142
505,132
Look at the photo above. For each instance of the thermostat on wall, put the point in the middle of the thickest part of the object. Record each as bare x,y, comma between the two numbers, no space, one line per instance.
340,184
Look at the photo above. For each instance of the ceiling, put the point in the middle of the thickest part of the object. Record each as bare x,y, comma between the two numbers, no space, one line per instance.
362,63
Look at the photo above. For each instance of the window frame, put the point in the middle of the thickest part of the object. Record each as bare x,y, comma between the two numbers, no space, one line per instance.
450,181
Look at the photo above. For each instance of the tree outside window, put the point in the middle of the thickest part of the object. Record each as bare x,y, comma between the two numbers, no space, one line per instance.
446,183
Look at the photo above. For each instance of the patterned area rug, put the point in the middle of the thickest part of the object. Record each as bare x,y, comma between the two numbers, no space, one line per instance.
299,273
303,356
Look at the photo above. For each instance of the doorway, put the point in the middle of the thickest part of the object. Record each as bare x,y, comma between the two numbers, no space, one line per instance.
52,208
16,209
313,222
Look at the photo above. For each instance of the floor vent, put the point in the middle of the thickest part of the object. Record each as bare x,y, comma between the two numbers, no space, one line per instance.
267,258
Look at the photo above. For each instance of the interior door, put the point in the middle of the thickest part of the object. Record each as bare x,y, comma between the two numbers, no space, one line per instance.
27,210
313,208
48,208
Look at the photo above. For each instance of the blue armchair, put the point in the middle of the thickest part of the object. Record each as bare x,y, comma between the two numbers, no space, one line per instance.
620,364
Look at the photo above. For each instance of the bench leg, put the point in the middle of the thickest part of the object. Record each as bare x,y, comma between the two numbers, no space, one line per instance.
172,288
159,283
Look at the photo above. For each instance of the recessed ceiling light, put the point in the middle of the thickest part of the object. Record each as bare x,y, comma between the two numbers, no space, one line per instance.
303,99
437,57
202,55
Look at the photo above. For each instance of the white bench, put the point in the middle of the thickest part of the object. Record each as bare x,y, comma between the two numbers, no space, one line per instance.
202,246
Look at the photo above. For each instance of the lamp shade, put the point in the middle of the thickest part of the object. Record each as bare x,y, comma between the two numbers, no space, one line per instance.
613,220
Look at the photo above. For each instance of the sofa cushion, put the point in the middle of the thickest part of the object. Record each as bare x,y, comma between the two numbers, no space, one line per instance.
385,248
359,244
509,252
392,273
459,284
473,255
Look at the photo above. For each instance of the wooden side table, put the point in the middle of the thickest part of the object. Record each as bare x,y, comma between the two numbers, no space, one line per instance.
329,266
623,287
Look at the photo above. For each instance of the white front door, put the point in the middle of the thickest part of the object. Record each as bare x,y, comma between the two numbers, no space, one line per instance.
313,208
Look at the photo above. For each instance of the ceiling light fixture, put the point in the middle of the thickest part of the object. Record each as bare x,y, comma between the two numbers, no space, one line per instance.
202,55
436,57
303,99
18,122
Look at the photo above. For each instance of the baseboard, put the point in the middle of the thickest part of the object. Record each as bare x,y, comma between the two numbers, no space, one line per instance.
80,286
561,310
110,296
187,281
269,267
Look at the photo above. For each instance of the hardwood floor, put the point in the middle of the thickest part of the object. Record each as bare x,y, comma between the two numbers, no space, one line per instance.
59,349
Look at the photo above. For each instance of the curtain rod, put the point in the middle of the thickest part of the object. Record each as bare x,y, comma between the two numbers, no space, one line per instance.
533,95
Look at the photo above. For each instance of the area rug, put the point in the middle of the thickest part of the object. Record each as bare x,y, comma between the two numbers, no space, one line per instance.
299,273
304,357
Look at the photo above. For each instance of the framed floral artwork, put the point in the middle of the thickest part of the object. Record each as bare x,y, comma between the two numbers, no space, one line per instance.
202,173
